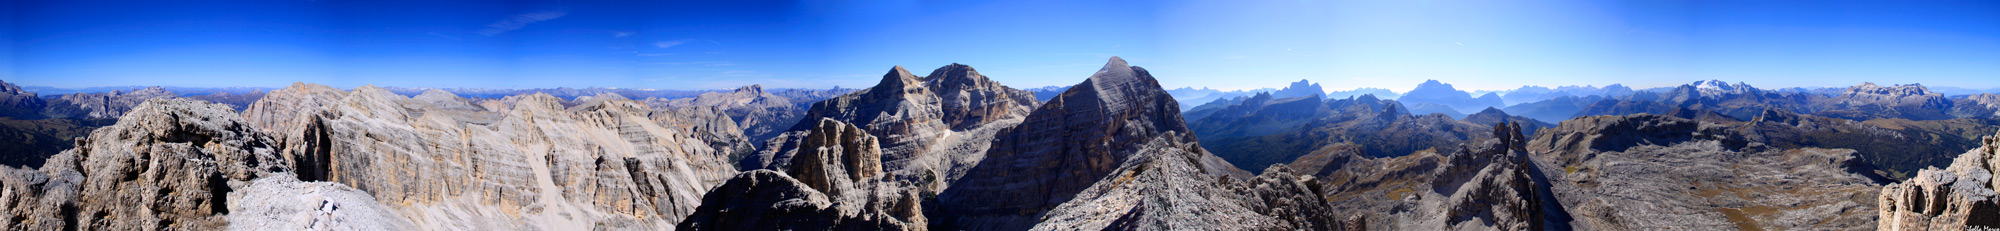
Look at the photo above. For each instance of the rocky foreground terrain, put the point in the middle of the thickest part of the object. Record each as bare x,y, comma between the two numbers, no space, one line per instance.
955,150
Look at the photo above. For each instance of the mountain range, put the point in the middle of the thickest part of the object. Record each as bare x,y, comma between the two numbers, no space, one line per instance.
956,150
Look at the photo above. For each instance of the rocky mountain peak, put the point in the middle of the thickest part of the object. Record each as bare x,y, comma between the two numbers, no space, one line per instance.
1118,84
754,89
956,73
835,156
167,163
19,104
11,89
897,82
1064,146
1718,88
1897,91
279,109
1434,83
1300,89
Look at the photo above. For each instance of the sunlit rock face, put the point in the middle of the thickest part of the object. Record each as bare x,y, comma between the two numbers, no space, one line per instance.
932,129
837,183
529,162
171,164
1067,145
1959,197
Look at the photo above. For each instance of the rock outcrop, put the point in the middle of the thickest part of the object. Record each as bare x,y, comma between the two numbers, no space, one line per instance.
108,105
606,162
1959,197
1066,146
18,104
167,164
1492,184
760,114
1166,186
710,124
279,108
837,184
932,128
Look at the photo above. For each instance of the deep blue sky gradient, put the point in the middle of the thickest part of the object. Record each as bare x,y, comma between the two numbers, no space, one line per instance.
1031,43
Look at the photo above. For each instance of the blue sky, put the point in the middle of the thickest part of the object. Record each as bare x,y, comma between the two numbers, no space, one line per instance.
1030,43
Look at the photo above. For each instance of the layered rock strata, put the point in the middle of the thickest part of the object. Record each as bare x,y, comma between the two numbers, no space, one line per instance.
606,162
837,185
1959,197
169,164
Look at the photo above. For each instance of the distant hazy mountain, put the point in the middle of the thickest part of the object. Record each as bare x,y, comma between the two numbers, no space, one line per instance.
1189,102
1556,109
45,90
1300,89
1378,92
1528,94
1433,108
1956,91
1049,92
1440,93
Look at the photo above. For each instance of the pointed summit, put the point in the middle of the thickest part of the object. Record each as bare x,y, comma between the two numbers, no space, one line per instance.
896,81
1115,71
955,73
754,89
1068,142
1302,88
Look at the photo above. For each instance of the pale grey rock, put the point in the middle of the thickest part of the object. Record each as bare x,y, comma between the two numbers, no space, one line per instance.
835,183
932,129
109,105
1959,197
289,204
1647,172
167,164
1164,186
606,162
710,124
761,115
18,104
1067,145
277,112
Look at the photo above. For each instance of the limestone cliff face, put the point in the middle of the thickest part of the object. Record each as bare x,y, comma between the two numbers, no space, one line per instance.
167,164
760,114
1959,197
932,129
1867,101
109,105
278,111
1067,145
18,104
1166,186
837,183
607,162
711,124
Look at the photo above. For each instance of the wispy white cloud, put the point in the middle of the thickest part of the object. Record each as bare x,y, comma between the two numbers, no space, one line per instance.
666,44
622,34
517,21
